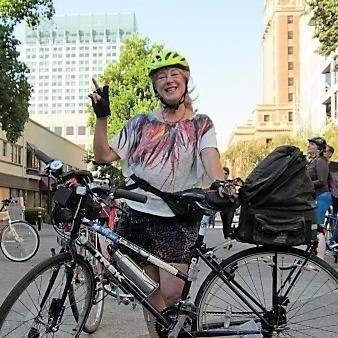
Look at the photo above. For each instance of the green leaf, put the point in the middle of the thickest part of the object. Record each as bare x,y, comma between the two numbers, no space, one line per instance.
324,18
15,90
130,89
14,87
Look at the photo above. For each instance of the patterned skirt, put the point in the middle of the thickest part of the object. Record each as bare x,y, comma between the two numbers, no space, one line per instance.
167,238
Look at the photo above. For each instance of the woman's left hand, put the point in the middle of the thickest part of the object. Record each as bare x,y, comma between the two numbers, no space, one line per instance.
224,188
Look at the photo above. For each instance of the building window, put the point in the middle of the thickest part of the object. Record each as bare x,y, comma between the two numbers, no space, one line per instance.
290,34
4,148
16,154
290,97
327,81
328,109
266,118
290,116
290,19
58,130
290,81
81,130
290,50
290,65
32,161
69,130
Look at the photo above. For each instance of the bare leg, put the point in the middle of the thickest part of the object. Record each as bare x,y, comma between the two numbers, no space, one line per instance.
168,294
171,286
156,299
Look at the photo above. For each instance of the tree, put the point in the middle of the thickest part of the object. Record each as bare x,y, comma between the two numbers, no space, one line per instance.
130,90
244,156
324,18
33,11
330,133
14,88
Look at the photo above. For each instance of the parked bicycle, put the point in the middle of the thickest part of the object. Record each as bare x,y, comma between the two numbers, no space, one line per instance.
19,240
268,291
108,218
331,235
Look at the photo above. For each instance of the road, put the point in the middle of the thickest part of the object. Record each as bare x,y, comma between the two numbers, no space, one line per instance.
119,321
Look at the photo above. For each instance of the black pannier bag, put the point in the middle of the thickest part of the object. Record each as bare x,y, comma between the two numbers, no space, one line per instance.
278,201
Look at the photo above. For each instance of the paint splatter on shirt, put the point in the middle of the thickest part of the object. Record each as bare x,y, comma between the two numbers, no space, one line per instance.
165,155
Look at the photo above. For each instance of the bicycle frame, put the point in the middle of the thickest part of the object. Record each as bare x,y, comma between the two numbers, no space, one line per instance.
185,307
197,253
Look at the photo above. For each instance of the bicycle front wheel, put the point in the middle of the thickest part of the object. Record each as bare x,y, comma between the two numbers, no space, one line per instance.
307,295
19,241
40,306
95,316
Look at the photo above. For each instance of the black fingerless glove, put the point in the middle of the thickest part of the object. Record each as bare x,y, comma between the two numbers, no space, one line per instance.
101,107
216,184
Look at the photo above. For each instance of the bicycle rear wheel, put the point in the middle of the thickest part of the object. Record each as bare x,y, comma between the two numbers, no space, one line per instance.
19,241
308,309
95,316
36,301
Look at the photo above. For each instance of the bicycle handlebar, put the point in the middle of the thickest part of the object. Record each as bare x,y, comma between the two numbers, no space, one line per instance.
6,201
133,196
121,193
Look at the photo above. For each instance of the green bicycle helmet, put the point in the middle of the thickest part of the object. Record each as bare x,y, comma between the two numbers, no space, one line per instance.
167,58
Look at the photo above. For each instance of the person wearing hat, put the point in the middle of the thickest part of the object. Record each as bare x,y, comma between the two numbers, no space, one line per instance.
318,170
172,148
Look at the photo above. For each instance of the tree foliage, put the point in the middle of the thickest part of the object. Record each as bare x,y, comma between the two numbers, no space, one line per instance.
130,90
14,88
244,156
324,18
33,11
330,133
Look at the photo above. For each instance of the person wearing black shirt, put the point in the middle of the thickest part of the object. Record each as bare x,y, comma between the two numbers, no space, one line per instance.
318,170
333,178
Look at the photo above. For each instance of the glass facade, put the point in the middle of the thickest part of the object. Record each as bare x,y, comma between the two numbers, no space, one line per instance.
63,55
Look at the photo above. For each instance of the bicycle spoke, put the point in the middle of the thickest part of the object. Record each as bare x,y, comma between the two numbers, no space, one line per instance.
310,308
249,287
25,311
253,280
317,317
308,301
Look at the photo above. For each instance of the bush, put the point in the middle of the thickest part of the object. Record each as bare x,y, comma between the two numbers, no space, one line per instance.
35,215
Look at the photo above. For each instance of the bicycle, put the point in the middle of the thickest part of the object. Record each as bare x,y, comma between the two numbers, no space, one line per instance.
107,217
331,235
267,291
19,240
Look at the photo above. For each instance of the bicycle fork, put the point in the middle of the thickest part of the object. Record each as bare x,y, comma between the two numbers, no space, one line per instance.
57,307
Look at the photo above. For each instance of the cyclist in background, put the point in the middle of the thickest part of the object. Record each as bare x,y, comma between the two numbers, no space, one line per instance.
318,170
333,178
172,149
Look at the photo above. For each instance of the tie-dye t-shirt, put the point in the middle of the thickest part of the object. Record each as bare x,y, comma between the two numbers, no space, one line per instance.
165,155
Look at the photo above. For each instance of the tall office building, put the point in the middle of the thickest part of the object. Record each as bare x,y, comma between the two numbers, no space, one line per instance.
278,109
63,55
318,79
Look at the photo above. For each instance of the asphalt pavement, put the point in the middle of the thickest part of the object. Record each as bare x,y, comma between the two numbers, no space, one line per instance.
119,321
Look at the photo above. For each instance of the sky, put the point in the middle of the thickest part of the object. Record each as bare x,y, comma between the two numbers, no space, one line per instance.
220,38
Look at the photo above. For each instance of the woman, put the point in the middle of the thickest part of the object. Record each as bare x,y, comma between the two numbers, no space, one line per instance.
318,171
170,148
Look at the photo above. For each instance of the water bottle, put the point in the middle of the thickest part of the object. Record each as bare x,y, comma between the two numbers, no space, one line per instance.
134,273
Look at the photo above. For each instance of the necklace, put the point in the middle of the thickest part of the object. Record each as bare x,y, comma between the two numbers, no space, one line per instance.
171,122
